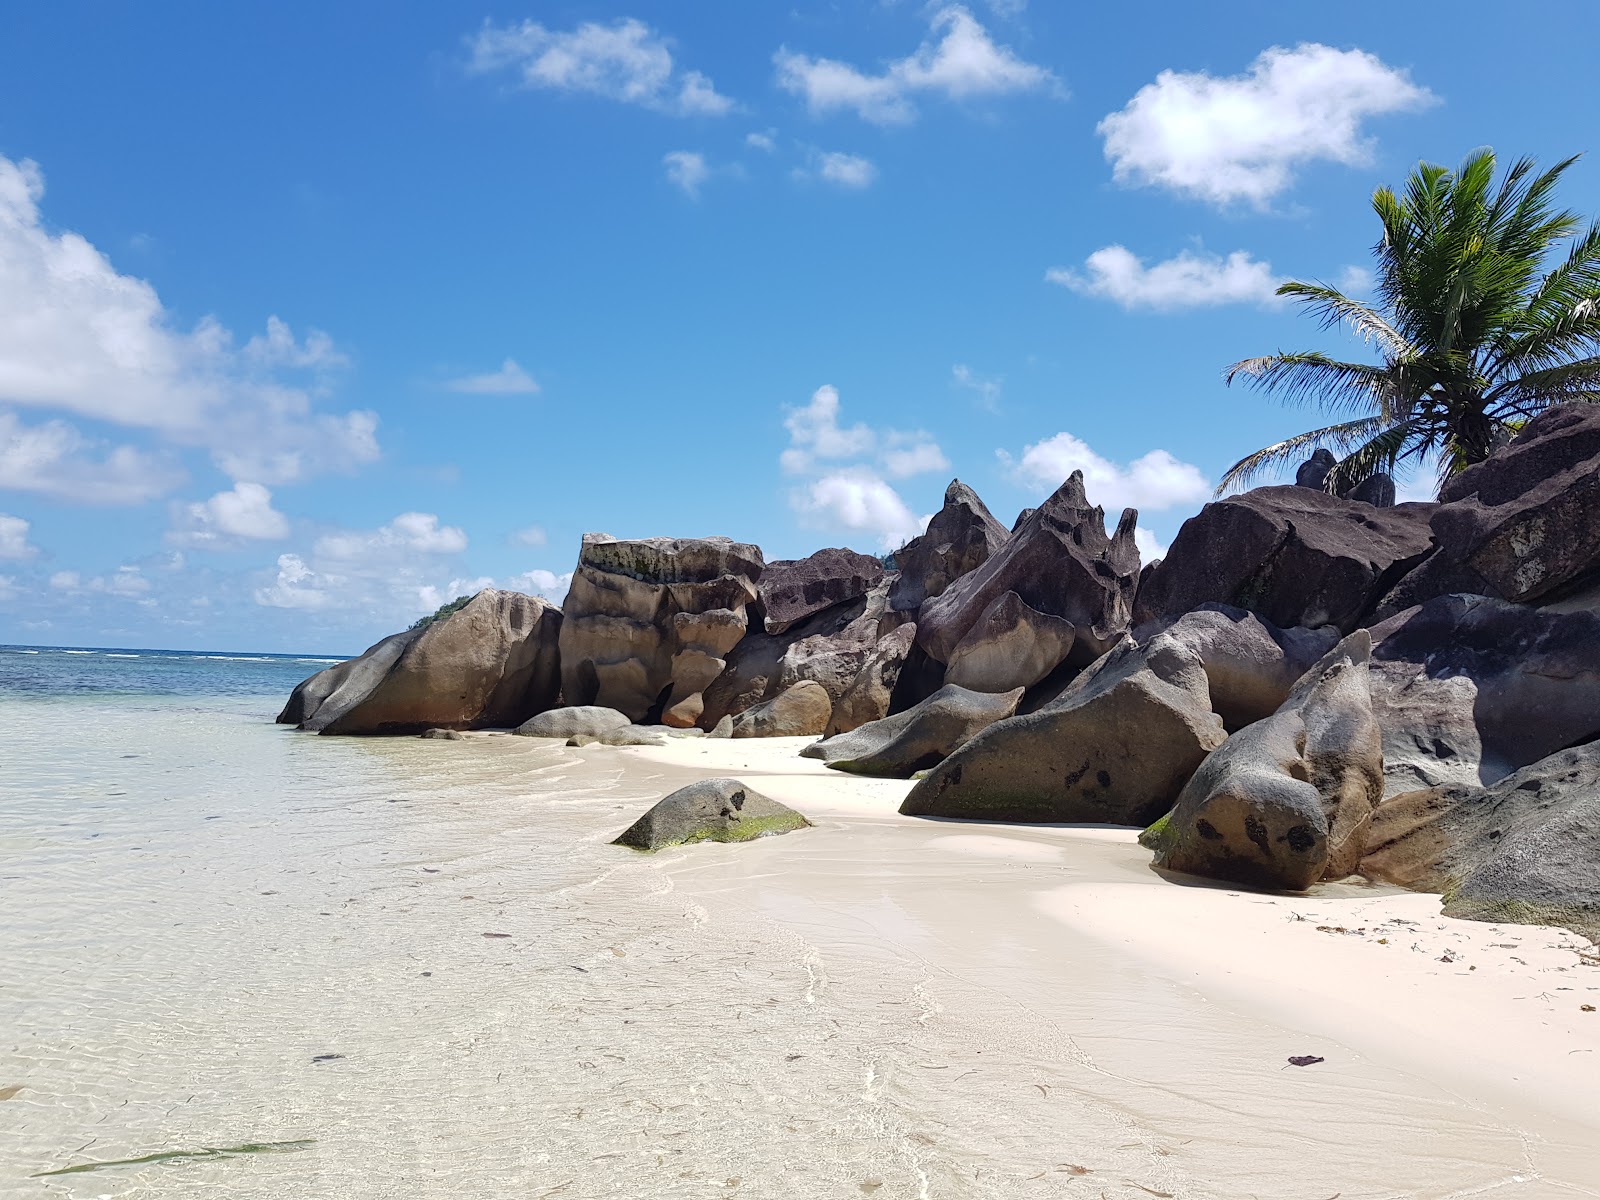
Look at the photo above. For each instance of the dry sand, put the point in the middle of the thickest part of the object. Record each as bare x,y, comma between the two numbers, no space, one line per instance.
1460,1057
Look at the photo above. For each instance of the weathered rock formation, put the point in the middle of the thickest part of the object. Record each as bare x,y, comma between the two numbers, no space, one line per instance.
959,539
800,710
1286,801
492,663
792,590
1469,689
1520,525
588,720
869,694
1059,563
345,684
919,738
1292,555
1524,850
1117,746
710,810
649,623
1011,645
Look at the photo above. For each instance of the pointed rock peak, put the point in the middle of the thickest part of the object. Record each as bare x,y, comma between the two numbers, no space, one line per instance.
959,494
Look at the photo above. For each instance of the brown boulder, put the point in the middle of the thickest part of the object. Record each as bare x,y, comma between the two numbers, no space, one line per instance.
792,590
801,710
492,663
921,737
870,693
1011,645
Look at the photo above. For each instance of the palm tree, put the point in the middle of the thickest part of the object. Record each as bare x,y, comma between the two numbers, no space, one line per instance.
1476,335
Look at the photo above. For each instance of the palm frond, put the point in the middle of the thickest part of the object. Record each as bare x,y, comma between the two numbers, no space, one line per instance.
1337,438
1332,307
1314,378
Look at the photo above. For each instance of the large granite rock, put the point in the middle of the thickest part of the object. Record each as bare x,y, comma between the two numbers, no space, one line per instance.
1520,525
1011,645
649,623
1117,746
345,684
919,738
586,720
1251,665
1469,689
959,539
1286,801
801,710
1059,563
1524,850
870,693
710,810
492,663
1292,555
792,590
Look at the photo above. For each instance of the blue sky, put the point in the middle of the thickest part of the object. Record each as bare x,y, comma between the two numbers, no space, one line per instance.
313,315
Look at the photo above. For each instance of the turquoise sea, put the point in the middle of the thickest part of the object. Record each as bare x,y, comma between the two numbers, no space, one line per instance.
111,671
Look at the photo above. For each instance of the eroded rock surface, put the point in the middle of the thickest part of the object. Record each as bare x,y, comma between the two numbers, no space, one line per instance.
868,696
959,539
919,738
793,590
801,710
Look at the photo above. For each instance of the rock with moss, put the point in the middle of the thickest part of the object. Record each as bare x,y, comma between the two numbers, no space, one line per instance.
1526,850
710,810
1286,801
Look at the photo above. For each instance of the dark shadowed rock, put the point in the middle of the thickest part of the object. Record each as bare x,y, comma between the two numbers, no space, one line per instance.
710,810
1521,524
792,590
960,538
492,663
1292,555
1524,850
1313,473
1376,489
920,737
651,621
1469,689
1011,645
1117,746
868,696
442,735
1251,666
589,720
1060,563
1286,801
801,710
345,684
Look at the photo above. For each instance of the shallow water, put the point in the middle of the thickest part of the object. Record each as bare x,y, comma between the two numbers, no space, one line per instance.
219,933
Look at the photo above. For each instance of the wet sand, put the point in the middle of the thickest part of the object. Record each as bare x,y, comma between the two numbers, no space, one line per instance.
201,910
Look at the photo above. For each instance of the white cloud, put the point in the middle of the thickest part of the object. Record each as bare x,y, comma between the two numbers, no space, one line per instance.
14,538
431,598
409,533
858,500
509,380
988,390
915,454
963,62
533,535
814,433
1150,546
378,573
1355,282
296,587
1152,482
127,581
77,337
55,460
243,513
846,170
540,582
1189,280
65,581
687,170
625,61
1241,137
762,141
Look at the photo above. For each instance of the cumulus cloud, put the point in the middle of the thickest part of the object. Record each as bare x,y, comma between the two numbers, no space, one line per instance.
540,582
1152,482
912,454
626,61
845,170
1190,279
14,538
80,338
375,572
1242,137
509,380
54,459
1150,546
815,433
858,500
128,582
766,141
243,513
409,533
687,170
957,60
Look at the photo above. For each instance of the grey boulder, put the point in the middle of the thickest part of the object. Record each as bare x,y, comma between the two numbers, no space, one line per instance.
345,684
921,737
1286,801
791,591
581,720
801,710
1011,645
869,694
710,810
959,539
1116,747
